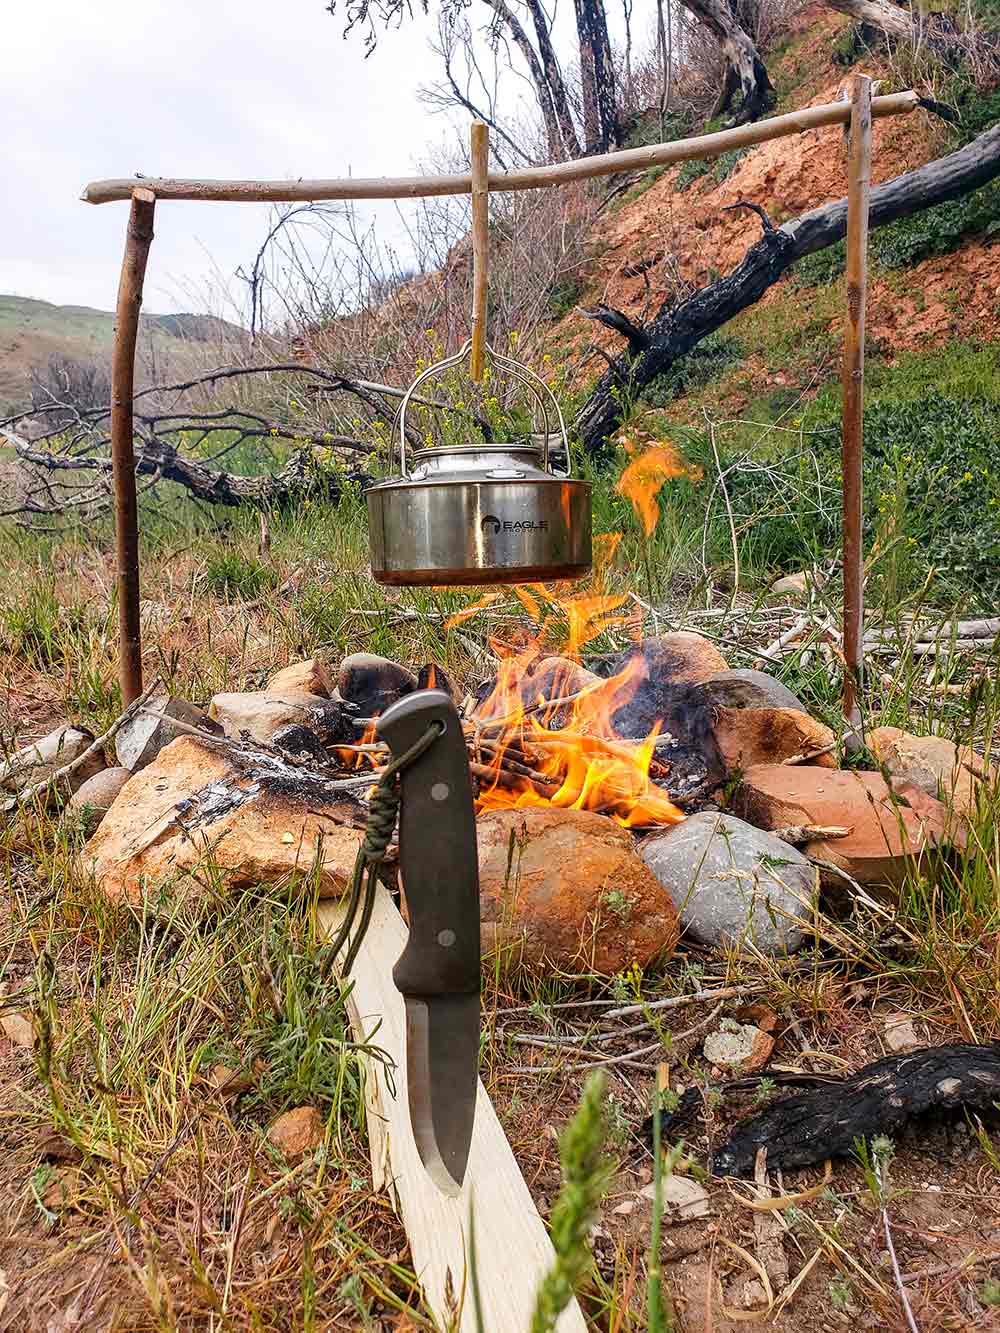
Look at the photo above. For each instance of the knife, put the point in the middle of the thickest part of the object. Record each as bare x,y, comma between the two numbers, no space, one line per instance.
438,971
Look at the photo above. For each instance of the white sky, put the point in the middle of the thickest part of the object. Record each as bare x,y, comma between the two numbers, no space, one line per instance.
220,88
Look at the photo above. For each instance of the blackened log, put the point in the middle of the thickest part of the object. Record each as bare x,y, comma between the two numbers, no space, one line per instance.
638,338
828,1119
678,328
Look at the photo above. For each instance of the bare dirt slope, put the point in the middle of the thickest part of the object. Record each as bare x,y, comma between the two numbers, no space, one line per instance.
676,233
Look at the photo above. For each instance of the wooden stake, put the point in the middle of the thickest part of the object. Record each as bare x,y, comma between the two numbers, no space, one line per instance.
480,244
513,1250
138,239
858,188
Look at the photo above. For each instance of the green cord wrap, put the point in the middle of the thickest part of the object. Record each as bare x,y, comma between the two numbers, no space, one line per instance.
382,812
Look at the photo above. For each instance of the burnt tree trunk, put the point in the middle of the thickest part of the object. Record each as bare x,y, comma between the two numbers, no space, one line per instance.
554,79
678,328
543,90
301,475
745,71
601,125
903,24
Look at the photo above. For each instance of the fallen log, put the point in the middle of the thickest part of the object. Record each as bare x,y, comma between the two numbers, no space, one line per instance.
832,1114
513,1250
678,328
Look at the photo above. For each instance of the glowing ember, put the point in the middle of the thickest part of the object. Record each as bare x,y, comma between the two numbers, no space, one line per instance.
644,478
538,718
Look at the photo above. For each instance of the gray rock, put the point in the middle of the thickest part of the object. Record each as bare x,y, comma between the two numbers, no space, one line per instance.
731,1046
97,795
143,736
731,882
743,688
46,756
373,683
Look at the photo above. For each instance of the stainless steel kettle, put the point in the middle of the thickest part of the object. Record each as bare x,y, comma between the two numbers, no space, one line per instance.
481,513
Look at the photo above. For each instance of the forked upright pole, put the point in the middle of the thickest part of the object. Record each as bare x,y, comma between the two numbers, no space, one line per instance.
137,242
480,244
859,162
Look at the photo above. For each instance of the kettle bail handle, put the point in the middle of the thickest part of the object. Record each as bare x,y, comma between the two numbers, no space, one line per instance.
517,371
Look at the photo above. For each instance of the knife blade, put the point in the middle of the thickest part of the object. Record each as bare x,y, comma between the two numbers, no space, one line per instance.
438,973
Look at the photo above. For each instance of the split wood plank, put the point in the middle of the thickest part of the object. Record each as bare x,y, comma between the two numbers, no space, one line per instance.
513,1250
528,178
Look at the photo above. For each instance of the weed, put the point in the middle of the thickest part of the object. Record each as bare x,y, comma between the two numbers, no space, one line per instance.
564,296
821,267
689,172
841,1293
232,574
707,362
585,1172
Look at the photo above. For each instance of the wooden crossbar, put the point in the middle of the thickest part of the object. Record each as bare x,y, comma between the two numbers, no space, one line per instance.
528,178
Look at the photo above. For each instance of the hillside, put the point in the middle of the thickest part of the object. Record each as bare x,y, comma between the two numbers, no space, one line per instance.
934,279
31,332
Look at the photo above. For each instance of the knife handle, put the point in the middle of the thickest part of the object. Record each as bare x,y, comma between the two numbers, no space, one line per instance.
438,857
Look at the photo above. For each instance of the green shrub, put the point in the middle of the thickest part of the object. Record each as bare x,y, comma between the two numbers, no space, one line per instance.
691,171
646,129
231,574
932,487
719,168
710,359
821,267
725,164
564,295
938,230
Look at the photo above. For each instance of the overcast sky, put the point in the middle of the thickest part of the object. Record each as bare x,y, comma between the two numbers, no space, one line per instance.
216,88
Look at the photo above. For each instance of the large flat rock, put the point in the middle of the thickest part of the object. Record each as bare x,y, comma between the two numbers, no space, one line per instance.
890,830
194,821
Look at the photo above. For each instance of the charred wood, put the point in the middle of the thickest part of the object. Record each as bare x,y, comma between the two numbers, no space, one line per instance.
829,1117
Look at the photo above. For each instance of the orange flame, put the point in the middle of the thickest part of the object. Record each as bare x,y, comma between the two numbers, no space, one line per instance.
359,758
644,477
547,716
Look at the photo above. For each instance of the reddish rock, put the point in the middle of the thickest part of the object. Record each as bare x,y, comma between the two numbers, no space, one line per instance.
566,888
193,819
954,773
546,678
310,676
297,1132
890,829
749,736
681,658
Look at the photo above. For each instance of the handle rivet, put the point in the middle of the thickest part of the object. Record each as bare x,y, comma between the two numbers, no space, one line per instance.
440,791
446,938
